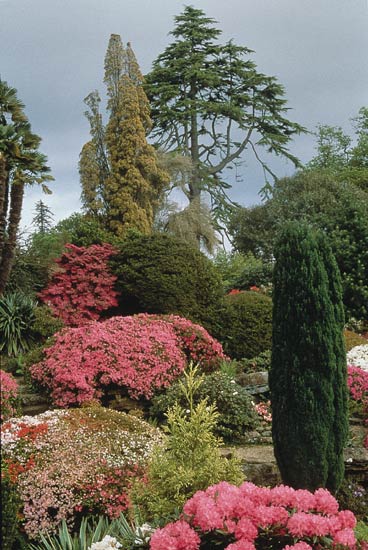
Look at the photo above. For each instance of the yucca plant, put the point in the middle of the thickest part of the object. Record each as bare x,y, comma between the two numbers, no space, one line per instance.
91,530
17,315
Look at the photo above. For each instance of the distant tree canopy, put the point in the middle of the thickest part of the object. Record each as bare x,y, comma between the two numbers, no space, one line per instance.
21,164
210,103
120,176
338,208
337,155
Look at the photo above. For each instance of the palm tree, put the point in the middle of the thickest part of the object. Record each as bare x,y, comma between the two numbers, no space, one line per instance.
21,164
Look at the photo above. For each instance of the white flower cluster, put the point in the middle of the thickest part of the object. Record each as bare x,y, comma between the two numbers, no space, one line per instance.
358,357
107,543
143,534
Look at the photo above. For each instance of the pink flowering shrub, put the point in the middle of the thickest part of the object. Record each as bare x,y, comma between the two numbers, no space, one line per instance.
198,345
264,411
137,354
82,286
252,518
358,384
358,391
8,395
68,463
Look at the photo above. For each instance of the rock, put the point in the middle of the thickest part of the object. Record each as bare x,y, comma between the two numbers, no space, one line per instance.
253,379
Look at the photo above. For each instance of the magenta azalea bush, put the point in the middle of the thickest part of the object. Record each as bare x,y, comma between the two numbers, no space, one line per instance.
253,518
139,354
358,385
70,463
8,395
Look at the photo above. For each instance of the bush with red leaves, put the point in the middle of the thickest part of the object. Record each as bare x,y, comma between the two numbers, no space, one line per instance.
139,354
82,286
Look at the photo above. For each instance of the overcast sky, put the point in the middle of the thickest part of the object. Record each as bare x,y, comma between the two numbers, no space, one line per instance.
52,52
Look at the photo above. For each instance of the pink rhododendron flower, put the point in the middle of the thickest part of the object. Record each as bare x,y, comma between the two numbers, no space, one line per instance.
346,537
241,545
298,546
262,517
175,536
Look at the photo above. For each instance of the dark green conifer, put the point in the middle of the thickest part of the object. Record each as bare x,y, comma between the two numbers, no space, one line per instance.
308,370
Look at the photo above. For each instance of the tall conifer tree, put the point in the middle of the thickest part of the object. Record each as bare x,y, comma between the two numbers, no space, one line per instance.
124,181
308,370
209,102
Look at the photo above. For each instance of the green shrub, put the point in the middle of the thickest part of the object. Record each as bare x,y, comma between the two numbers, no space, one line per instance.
190,459
10,506
17,314
162,274
235,410
246,324
45,323
260,363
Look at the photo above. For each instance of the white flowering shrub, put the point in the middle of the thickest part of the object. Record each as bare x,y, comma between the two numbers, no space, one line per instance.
75,462
358,357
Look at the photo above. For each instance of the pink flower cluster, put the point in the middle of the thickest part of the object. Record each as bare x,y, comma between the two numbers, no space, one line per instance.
8,395
139,354
82,286
197,344
263,410
301,520
358,384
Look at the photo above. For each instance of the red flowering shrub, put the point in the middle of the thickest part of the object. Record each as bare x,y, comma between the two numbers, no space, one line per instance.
139,354
8,395
250,517
82,286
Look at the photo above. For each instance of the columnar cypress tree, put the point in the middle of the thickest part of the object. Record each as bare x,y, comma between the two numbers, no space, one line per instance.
308,370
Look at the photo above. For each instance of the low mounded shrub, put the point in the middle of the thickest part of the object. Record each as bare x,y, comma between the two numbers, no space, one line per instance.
251,517
70,463
352,339
8,395
246,324
81,287
162,274
233,403
138,354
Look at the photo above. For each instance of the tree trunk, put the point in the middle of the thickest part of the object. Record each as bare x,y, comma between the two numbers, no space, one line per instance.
3,201
16,201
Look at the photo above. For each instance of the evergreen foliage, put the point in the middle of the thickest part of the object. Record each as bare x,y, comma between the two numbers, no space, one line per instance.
245,324
120,175
308,368
190,459
211,104
163,274
43,217
21,164
232,402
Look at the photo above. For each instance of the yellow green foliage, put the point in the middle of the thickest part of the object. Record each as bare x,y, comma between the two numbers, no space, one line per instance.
135,181
353,339
189,460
